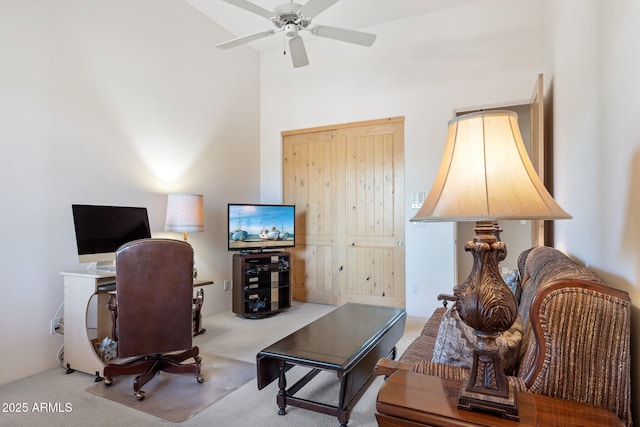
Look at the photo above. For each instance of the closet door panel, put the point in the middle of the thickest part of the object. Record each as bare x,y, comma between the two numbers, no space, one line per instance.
347,184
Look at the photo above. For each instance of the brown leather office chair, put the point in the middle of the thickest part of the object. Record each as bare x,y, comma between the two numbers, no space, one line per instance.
152,311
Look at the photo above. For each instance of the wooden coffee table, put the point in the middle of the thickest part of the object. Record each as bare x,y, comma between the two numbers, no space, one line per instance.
348,341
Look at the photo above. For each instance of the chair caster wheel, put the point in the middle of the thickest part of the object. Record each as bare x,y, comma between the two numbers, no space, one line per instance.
198,359
200,379
108,381
140,395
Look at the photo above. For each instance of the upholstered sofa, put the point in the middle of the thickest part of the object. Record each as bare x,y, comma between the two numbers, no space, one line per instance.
575,336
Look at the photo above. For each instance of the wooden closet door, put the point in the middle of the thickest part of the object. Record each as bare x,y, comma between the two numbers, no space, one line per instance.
369,246
308,184
347,183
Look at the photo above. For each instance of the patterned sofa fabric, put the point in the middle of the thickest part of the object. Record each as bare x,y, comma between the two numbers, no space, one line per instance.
422,347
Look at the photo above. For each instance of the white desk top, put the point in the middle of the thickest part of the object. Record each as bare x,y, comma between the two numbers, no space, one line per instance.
101,274
93,273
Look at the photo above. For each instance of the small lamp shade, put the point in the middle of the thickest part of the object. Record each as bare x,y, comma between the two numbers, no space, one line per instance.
486,174
185,213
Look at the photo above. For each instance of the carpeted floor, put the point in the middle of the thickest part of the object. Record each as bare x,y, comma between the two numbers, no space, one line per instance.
68,403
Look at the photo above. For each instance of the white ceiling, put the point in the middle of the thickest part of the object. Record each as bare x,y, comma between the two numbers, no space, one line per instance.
349,14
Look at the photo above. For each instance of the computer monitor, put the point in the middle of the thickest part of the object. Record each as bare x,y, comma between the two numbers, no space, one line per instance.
101,230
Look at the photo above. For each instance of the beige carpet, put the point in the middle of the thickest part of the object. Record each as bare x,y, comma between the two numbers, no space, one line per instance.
247,406
177,398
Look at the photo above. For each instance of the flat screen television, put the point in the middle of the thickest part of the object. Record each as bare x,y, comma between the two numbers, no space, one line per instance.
101,230
258,227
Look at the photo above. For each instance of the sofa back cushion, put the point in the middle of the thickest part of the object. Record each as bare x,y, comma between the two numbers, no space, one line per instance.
543,265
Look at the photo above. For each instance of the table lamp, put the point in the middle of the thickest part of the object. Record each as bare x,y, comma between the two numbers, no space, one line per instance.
185,213
485,176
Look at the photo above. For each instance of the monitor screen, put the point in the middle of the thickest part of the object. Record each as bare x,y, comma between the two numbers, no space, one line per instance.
101,230
254,227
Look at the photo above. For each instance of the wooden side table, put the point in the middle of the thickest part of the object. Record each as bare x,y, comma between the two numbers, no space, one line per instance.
411,400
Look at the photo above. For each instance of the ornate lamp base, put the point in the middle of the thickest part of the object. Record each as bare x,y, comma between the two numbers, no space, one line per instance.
487,305
507,407
487,387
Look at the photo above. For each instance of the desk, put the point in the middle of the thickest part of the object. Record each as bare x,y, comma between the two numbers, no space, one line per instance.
410,399
79,288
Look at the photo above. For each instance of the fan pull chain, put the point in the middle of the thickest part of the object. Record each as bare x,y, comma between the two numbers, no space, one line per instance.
284,44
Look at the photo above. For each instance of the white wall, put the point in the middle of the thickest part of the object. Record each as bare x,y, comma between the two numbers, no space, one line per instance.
593,48
115,102
483,52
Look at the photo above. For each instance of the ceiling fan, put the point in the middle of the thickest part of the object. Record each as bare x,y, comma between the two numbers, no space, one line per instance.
291,18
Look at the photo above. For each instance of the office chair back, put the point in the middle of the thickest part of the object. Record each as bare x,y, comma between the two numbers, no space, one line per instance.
155,296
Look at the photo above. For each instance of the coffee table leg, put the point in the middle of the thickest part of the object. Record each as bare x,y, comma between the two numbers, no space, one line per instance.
282,393
343,401
343,418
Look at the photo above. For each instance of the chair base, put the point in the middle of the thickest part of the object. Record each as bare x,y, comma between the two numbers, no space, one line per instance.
147,367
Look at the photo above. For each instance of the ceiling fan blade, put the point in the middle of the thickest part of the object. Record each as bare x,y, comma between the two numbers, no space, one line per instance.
349,36
315,7
244,39
298,52
243,4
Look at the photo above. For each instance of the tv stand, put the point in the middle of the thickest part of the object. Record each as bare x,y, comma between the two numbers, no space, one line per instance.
261,283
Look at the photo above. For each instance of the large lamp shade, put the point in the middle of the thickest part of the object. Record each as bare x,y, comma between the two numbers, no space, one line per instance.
486,174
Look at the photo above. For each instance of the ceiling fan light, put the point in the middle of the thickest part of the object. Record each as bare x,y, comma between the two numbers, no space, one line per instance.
291,30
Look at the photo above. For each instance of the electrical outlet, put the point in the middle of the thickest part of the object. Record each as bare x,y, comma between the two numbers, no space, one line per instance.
227,285
52,326
414,289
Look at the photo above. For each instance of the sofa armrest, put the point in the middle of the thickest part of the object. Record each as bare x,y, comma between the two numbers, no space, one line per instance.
387,367
579,328
445,298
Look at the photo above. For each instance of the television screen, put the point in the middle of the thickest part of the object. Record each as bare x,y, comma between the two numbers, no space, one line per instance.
257,227
101,230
